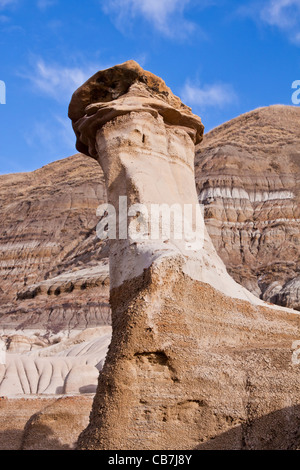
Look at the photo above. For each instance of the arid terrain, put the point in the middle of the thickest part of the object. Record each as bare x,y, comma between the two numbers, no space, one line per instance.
55,313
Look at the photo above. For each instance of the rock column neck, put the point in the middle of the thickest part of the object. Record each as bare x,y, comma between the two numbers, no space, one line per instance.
149,173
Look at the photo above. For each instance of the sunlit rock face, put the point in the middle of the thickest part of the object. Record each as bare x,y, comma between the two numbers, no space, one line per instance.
195,358
247,174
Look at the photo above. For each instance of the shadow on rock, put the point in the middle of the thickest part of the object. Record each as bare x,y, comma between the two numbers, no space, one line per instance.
39,436
11,439
279,430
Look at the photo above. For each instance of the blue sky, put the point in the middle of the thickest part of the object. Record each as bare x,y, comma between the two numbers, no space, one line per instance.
222,57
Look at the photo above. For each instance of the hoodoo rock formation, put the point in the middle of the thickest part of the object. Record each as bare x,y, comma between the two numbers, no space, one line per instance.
196,361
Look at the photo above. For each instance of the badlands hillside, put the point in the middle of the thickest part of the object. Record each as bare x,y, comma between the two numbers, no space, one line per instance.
247,175
54,312
54,280
55,317
49,247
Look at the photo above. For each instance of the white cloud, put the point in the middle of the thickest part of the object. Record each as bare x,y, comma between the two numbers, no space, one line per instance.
285,15
281,13
165,15
216,95
57,81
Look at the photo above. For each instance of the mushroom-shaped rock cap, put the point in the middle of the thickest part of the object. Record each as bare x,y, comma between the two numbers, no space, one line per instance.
120,90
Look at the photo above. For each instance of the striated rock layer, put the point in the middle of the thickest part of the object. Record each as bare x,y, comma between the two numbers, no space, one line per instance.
54,280
196,361
49,249
247,174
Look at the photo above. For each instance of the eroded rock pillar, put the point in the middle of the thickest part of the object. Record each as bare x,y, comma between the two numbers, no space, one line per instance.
178,373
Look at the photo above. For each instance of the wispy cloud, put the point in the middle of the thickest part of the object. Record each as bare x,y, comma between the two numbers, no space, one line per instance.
44,4
7,3
41,4
167,16
54,134
57,81
281,14
217,95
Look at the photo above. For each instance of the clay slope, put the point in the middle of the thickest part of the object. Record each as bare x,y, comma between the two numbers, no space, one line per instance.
247,175
69,366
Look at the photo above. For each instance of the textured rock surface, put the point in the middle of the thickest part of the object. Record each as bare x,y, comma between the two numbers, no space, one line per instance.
288,295
194,357
198,370
49,248
247,174
14,416
57,426
44,423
